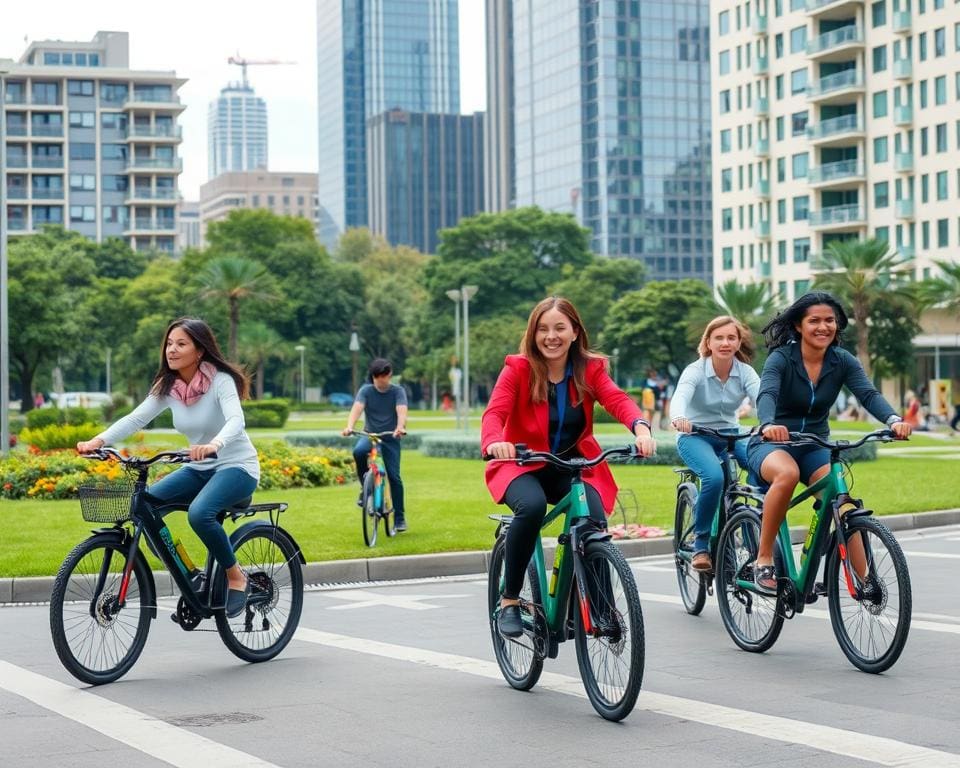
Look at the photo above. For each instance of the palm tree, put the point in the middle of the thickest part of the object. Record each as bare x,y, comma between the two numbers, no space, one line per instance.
861,273
235,279
258,343
943,291
751,304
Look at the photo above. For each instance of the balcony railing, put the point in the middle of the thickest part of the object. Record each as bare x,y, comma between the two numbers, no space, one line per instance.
151,194
762,270
762,188
761,65
15,98
907,251
16,130
762,148
761,107
835,125
903,69
47,194
17,193
904,209
834,39
47,162
155,131
903,162
836,214
838,81
762,229
834,171
814,5
901,21
18,161
760,24
46,130
903,115
16,225
155,162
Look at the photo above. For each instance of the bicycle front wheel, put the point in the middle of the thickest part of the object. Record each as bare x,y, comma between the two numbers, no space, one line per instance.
96,638
272,564
521,658
751,618
369,511
693,590
872,631
611,655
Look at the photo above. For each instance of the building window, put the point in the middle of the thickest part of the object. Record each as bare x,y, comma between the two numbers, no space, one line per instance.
782,163
880,58
82,120
724,102
81,150
880,151
942,185
83,213
800,165
724,62
924,188
922,42
880,104
726,180
943,232
798,123
728,258
925,235
941,137
801,208
778,45
798,81
779,128
940,42
882,233
723,23
924,148
724,142
878,12
80,87
781,252
881,195
922,89
940,90
778,86
798,39
83,181
781,211
801,251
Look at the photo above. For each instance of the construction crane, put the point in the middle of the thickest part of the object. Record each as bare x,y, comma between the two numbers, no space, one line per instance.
244,63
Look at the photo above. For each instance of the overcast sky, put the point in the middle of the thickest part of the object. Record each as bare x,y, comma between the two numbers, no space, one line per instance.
195,37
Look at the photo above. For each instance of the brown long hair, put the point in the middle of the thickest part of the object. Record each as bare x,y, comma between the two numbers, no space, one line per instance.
578,355
744,354
202,336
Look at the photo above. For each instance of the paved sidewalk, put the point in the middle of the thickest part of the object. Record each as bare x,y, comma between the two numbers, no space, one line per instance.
29,589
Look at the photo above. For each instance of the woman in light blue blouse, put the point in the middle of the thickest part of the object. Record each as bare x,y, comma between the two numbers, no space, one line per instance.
709,394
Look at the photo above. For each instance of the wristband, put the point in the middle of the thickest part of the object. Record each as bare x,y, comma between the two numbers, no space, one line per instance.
893,419
633,427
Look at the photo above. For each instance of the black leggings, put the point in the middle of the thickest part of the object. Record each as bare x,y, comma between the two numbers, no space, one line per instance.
528,496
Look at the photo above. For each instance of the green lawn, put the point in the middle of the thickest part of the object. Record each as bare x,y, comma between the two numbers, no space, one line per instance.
447,505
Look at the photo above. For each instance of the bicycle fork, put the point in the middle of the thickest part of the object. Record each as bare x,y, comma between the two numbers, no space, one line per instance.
853,581
587,604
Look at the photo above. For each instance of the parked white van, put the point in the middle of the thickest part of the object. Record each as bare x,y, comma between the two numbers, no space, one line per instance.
81,399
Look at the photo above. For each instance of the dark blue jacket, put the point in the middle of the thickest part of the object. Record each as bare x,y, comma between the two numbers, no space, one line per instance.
788,397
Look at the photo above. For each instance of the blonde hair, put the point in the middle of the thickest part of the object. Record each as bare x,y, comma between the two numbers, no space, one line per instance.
744,354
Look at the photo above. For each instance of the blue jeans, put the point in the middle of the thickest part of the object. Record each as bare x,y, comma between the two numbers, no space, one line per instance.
705,456
205,492
390,450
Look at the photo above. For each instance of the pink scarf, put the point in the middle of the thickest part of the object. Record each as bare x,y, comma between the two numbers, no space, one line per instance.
199,384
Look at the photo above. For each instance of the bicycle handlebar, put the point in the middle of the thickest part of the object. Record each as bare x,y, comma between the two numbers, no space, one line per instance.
710,432
388,433
525,455
881,435
165,457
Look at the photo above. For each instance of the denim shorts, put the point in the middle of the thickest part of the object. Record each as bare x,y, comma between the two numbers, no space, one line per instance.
809,458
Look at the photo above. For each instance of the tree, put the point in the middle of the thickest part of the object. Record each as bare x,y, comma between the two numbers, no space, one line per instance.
943,291
594,288
258,343
751,304
861,274
50,276
649,326
256,233
235,279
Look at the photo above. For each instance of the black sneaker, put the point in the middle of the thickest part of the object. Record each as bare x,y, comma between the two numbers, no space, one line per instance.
509,622
400,525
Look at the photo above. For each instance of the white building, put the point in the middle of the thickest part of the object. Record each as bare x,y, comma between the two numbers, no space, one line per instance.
236,131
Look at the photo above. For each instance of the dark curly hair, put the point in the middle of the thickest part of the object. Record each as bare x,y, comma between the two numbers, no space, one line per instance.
783,328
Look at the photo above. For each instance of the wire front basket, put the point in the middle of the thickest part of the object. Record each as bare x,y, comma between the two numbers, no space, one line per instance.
105,502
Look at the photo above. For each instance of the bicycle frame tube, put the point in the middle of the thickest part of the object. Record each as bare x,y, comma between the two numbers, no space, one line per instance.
829,486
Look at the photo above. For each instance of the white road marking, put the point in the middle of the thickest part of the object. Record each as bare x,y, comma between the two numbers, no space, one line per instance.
943,555
943,534
362,598
859,746
153,737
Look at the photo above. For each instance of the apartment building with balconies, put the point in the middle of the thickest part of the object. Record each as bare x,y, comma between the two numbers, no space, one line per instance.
90,144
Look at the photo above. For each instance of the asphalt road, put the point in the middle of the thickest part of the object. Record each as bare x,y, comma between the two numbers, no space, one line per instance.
403,674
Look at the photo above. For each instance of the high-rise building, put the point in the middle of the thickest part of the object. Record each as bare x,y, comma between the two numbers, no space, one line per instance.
611,122
91,144
425,173
375,55
189,226
286,194
498,182
236,131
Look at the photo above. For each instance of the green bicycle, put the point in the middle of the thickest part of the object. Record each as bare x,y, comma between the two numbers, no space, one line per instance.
591,597
869,610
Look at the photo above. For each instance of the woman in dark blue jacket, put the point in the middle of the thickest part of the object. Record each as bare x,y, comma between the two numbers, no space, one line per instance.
800,382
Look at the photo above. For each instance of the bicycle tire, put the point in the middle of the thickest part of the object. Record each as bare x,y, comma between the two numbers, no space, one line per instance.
95,642
616,653
519,659
272,564
751,629
368,510
891,576
693,588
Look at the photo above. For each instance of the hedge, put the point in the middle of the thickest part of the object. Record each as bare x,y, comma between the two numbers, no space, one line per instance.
45,417
412,441
58,436
271,414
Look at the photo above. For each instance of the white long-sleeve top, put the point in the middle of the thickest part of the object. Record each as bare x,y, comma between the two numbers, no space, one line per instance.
217,415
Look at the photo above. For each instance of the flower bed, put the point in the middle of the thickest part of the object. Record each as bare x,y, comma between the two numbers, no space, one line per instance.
58,474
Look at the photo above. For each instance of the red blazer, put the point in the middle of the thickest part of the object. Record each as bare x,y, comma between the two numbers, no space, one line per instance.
512,417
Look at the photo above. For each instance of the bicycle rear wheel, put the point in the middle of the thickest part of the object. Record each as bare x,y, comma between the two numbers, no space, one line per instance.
97,640
272,564
521,658
751,619
871,631
369,510
693,590
611,656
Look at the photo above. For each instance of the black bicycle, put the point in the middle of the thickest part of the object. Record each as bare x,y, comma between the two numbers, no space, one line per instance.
104,595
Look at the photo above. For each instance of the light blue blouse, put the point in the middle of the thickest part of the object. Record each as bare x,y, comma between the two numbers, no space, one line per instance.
700,396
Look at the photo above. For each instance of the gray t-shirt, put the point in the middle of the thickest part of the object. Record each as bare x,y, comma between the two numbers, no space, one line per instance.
380,408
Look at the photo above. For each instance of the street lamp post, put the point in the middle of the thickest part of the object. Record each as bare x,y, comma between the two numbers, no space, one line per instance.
4,309
303,388
354,349
454,296
468,292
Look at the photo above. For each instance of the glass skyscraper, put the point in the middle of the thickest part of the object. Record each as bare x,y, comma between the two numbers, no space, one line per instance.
236,131
612,123
375,55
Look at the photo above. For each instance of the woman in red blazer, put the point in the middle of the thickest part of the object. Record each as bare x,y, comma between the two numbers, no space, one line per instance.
544,397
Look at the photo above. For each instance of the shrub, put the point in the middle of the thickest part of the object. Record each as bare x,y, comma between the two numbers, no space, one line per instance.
266,413
45,417
58,436
118,402
411,442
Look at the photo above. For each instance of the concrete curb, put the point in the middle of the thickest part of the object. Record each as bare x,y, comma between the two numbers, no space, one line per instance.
32,589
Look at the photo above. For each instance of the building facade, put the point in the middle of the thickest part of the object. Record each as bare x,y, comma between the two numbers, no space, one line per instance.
286,194
188,226
373,56
498,182
833,119
611,122
425,173
91,144
236,131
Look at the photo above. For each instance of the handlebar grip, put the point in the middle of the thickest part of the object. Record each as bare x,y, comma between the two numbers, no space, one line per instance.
522,447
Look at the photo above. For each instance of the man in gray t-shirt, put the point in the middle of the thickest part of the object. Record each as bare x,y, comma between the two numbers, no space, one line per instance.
384,409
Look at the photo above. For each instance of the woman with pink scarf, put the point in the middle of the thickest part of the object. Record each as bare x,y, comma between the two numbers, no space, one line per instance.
203,391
